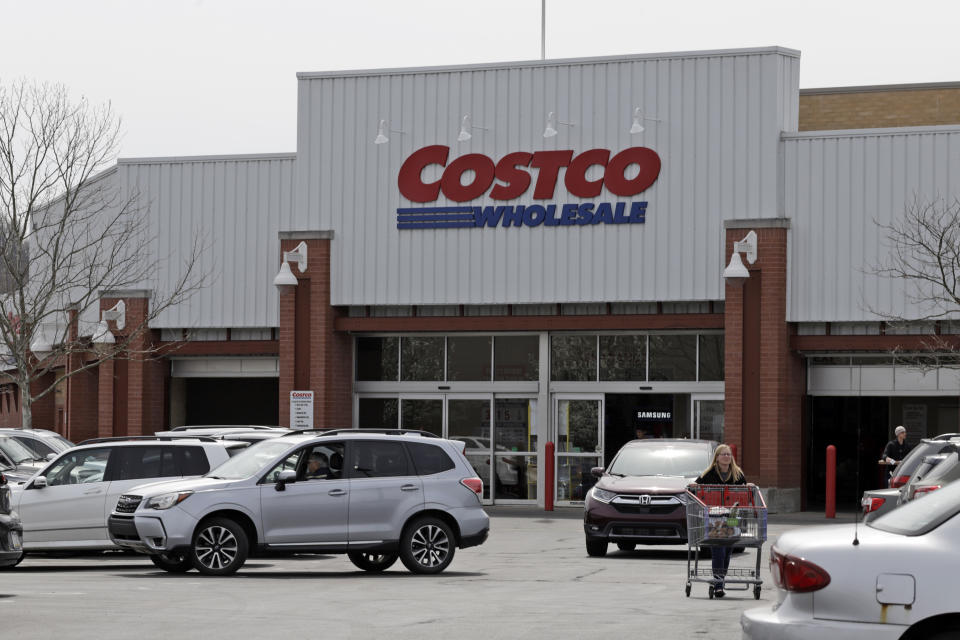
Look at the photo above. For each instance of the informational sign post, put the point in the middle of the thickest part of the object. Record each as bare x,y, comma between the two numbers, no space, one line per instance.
301,409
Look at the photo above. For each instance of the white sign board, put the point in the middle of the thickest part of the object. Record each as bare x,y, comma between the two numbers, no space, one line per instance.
301,409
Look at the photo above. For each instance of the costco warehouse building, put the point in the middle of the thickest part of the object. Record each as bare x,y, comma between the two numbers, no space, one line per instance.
521,253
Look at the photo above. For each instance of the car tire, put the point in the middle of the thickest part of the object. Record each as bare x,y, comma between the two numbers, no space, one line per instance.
372,562
427,546
626,546
176,563
219,547
596,548
11,566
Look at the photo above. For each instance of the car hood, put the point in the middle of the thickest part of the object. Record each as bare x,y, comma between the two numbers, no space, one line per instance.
644,484
198,483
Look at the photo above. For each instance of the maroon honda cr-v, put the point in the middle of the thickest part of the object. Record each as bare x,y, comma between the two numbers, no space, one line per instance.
641,497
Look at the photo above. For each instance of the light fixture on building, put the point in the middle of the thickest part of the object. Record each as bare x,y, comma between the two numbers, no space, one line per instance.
41,347
551,129
382,129
103,338
117,313
466,127
285,277
638,118
736,273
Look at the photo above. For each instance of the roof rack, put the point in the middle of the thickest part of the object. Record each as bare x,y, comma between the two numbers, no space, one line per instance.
128,438
391,432
221,426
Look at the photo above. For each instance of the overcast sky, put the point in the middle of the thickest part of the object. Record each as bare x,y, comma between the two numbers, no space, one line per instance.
200,77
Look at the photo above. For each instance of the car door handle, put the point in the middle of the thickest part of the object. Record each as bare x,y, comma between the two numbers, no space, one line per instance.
337,492
92,492
409,487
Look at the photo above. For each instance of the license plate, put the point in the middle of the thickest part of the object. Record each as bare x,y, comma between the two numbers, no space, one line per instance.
15,540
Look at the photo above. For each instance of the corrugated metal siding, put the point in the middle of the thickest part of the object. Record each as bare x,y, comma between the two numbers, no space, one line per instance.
722,114
840,184
236,205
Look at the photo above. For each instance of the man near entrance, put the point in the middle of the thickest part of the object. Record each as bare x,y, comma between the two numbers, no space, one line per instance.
896,449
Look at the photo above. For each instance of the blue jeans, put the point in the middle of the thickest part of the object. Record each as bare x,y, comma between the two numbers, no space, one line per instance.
720,558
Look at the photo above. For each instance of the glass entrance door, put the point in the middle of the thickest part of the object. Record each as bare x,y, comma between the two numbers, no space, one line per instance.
579,438
707,414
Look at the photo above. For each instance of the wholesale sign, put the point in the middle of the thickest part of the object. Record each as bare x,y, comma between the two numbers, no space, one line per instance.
510,178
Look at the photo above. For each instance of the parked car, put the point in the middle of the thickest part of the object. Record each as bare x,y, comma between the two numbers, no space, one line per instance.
42,442
11,530
65,506
19,460
241,433
641,497
936,472
380,496
477,450
894,578
876,502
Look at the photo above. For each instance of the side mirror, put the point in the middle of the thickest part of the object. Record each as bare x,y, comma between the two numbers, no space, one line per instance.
51,456
596,472
285,477
38,483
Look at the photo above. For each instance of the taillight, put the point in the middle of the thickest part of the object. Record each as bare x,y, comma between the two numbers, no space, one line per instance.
922,491
872,504
898,481
474,484
796,574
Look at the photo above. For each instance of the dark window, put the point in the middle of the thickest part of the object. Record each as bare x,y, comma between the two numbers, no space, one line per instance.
468,358
711,357
421,359
516,358
378,459
429,459
193,461
573,358
673,357
623,357
36,446
377,358
132,463
378,413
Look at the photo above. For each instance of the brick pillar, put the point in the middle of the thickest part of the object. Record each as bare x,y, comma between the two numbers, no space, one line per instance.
105,390
81,392
763,378
44,410
313,355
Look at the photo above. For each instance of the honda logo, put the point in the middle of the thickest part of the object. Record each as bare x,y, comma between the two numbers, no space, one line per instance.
644,499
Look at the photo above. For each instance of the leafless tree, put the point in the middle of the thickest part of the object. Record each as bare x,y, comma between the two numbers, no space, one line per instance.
924,252
68,235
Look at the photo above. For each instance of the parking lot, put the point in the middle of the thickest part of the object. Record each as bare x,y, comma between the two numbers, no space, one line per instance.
531,579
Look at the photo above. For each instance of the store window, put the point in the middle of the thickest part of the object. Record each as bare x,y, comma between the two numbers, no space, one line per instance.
573,358
377,358
421,359
710,364
468,358
378,413
673,357
516,358
425,415
623,357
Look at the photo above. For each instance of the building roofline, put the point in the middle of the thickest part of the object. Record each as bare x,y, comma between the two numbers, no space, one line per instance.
876,88
490,66
243,157
871,132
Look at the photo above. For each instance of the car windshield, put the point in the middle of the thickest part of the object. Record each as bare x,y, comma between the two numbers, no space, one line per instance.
944,467
16,452
251,460
918,517
40,449
660,461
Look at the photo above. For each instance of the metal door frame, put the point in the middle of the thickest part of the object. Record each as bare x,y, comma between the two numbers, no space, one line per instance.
695,408
555,437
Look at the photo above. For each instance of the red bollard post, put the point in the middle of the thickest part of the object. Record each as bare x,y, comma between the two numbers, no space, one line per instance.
548,478
831,481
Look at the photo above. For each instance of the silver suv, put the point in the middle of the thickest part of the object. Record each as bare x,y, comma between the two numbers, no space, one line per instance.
375,495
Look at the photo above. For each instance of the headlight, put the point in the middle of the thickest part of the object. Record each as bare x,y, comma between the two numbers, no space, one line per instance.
167,500
603,495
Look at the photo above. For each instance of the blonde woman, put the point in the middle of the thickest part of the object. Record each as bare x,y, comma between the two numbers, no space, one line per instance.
723,469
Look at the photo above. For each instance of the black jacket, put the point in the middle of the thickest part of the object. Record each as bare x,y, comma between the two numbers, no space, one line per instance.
713,477
896,450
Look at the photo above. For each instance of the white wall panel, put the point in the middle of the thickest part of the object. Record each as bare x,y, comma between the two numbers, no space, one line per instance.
721,115
235,205
839,186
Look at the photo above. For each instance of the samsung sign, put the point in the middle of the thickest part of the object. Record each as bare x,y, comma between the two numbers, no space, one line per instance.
512,174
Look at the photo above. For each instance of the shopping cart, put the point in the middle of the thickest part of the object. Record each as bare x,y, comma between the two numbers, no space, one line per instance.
722,515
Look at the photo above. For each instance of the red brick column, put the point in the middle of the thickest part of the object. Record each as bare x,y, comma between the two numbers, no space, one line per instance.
105,391
763,378
313,355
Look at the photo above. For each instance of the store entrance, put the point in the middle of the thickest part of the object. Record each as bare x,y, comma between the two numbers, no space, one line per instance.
643,415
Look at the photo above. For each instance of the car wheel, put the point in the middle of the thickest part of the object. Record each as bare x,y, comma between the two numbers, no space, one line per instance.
175,563
427,546
219,547
596,548
372,562
944,634
626,546
11,566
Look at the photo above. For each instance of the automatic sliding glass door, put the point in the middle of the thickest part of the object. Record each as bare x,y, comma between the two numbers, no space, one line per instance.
577,423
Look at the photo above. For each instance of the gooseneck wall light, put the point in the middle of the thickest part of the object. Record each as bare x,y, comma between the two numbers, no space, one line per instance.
466,129
285,277
638,118
102,337
736,273
550,130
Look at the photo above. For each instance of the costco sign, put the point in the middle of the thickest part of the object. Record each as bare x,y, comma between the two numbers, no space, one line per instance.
475,175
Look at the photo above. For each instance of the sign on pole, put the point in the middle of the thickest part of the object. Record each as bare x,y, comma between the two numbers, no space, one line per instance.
301,409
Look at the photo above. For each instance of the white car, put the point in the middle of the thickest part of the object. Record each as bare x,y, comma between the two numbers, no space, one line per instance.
64,507
894,578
